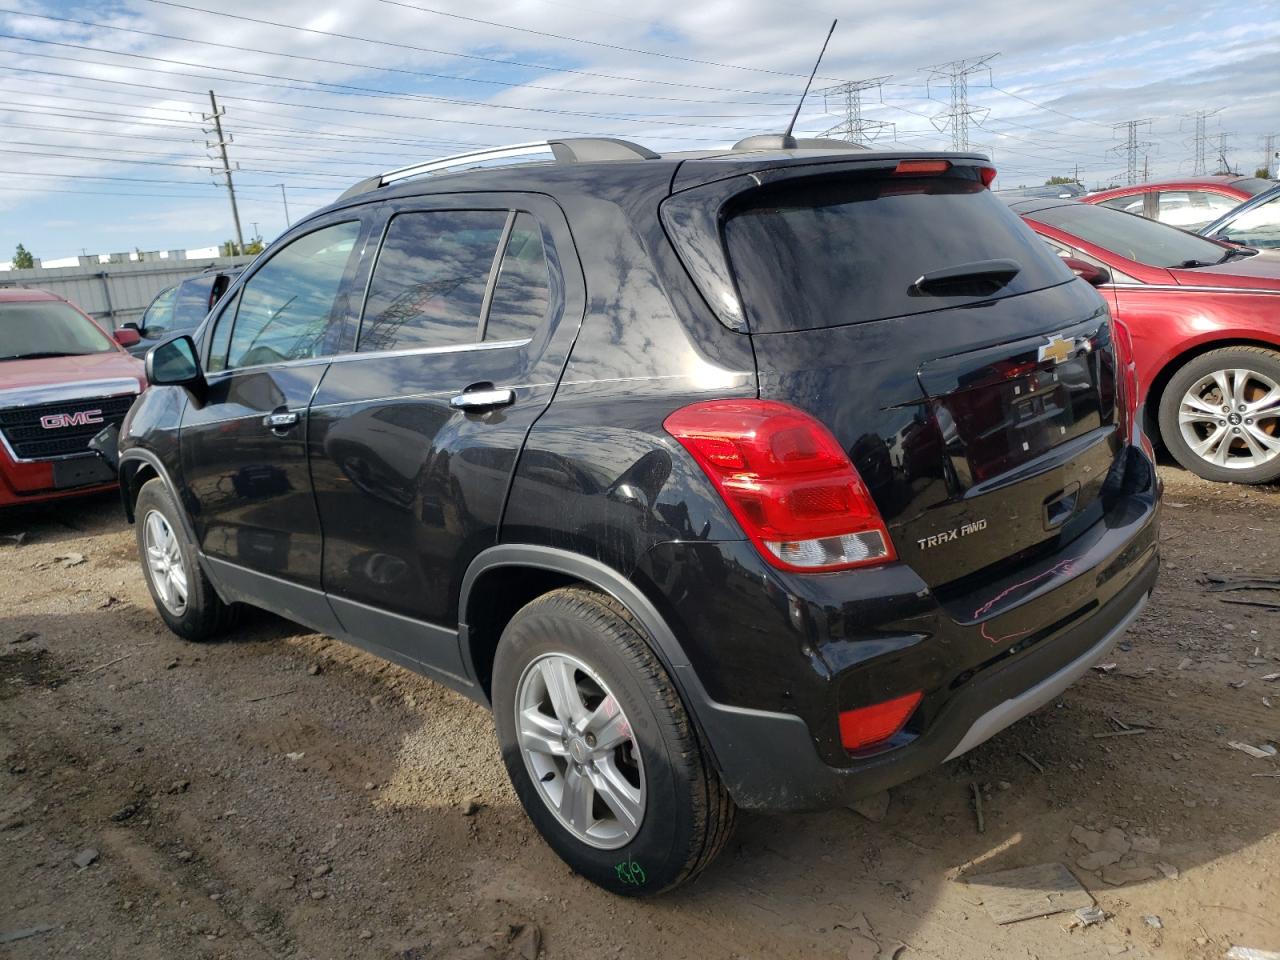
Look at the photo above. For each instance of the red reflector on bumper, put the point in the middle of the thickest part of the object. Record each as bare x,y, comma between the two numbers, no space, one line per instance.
867,726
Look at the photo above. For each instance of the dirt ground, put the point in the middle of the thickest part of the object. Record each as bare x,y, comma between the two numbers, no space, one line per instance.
281,795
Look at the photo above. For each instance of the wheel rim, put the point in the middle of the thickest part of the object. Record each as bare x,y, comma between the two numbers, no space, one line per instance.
580,751
164,562
1231,418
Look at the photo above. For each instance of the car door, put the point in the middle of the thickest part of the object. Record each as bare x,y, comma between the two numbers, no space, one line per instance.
243,449
471,309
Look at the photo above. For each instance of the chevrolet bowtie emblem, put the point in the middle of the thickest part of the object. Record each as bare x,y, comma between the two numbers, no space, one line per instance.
1057,349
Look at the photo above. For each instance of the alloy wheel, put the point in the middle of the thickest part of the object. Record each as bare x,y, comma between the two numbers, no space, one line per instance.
580,751
1231,418
164,563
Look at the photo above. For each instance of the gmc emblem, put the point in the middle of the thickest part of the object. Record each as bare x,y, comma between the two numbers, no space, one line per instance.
81,418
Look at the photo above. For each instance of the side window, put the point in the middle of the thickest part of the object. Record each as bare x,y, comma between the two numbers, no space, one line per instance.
429,283
192,303
1127,204
1256,227
156,320
222,336
522,294
1191,209
286,307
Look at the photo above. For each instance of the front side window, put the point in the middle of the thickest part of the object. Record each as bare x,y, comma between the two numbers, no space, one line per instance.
429,283
1191,209
522,294
286,309
48,328
1258,227
192,302
159,315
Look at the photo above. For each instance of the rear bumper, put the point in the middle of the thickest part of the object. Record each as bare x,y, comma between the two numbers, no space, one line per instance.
769,762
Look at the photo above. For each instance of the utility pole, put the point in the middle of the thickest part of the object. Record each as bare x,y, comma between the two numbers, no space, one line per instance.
958,118
855,128
285,197
1200,139
221,144
1131,147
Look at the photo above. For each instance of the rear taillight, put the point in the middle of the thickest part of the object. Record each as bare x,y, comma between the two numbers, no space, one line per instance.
1126,375
867,726
788,482
922,167
988,175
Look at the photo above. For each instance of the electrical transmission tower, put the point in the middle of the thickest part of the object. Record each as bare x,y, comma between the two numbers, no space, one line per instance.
1269,153
1132,147
1199,142
1224,166
855,127
221,145
959,117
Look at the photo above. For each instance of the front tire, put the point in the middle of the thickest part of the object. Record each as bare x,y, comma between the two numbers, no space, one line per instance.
1220,415
183,595
600,749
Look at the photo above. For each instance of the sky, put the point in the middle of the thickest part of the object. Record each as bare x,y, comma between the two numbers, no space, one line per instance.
105,141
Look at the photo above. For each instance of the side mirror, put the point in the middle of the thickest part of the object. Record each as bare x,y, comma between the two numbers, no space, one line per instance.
1097,276
126,336
130,325
174,363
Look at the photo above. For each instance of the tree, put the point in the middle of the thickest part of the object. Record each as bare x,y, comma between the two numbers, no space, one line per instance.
1262,173
1054,181
233,249
22,259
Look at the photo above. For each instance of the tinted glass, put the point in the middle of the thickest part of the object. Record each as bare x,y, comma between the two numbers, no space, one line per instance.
285,308
429,282
48,329
825,252
1257,227
1155,244
159,315
523,291
222,336
192,303
1253,185
1127,204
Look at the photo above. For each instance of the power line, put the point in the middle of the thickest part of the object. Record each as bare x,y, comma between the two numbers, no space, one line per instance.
1132,147
188,183
958,118
855,127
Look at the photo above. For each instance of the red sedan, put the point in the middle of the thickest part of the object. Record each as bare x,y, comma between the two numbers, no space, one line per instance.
1189,203
1204,319
62,379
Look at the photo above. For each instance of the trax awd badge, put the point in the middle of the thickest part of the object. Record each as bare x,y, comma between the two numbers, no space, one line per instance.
955,533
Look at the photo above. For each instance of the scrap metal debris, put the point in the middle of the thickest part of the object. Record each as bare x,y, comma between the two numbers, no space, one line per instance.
1251,953
1026,892
1258,753
977,807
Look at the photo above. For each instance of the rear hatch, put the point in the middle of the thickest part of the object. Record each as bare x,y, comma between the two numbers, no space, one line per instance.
970,377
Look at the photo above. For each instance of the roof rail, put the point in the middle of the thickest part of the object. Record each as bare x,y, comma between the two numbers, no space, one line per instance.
775,141
575,150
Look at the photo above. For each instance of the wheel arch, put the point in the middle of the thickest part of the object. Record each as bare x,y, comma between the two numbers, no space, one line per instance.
1155,392
515,574
137,466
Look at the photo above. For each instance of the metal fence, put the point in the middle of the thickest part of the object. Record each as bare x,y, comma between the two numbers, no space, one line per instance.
113,292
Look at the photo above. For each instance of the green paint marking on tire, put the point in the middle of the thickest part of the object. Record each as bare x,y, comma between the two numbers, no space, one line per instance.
632,873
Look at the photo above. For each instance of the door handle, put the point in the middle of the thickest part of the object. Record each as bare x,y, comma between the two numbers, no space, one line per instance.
483,399
280,420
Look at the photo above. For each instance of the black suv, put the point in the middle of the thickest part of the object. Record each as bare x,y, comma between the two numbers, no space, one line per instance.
181,307
766,478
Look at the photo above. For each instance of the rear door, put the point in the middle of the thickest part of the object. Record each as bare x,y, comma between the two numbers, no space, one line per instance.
470,312
968,374
244,452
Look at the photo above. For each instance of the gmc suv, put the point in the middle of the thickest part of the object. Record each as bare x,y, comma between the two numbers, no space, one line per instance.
766,478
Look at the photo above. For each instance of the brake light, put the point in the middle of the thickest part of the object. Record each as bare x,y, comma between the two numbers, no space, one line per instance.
922,166
1126,375
988,175
787,481
867,726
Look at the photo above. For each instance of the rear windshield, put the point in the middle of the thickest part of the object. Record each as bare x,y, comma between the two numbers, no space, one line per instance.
1254,185
823,252
1132,237
47,328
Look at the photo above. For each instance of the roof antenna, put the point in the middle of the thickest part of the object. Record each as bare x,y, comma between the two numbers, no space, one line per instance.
788,142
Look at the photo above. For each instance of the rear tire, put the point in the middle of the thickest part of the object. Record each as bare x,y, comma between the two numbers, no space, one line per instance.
1238,444
577,643
183,595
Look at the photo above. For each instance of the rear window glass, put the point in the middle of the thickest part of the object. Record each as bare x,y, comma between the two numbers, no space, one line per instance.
827,252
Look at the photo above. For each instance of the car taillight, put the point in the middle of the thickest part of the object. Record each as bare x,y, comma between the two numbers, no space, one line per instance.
788,482
867,726
1126,375
922,166
988,175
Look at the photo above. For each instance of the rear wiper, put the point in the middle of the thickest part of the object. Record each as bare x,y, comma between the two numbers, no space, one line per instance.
1188,264
979,279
